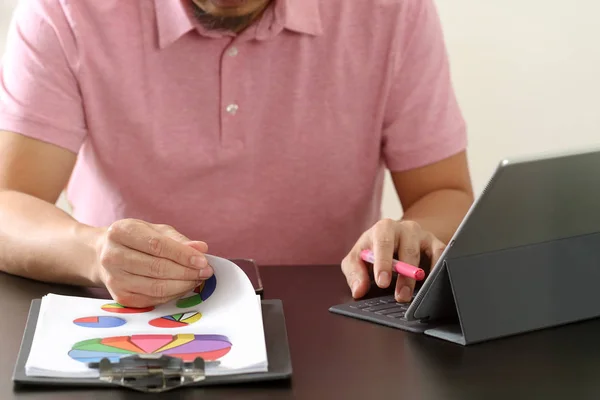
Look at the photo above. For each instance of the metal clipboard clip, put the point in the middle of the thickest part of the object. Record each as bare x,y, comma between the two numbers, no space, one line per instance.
151,372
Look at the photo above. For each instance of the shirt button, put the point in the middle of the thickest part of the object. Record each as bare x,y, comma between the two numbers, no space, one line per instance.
232,109
232,52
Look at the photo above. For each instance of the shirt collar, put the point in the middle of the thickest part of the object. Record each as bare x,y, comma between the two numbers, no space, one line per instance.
302,16
174,19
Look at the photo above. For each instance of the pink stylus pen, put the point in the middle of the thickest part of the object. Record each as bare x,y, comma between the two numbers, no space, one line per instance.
400,267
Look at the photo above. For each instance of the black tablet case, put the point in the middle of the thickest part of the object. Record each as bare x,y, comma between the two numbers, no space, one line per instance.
278,354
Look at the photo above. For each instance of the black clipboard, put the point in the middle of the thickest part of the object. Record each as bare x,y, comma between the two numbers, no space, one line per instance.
165,373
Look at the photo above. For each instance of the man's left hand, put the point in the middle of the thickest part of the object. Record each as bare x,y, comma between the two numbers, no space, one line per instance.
386,238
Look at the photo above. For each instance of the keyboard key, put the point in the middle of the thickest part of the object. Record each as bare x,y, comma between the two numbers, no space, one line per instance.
364,303
389,311
390,299
381,307
359,305
396,315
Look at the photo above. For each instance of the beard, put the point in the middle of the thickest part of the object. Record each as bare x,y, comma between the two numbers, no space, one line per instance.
212,22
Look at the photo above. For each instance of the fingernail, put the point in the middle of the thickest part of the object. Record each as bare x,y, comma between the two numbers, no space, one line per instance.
204,273
383,278
405,294
198,261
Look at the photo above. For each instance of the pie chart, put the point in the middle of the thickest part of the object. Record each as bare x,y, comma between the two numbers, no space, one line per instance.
176,320
99,322
119,309
185,346
201,293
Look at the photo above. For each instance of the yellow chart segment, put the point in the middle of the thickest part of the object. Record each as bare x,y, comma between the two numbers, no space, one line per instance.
180,339
192,319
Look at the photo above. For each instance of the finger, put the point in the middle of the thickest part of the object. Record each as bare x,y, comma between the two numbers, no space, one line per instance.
355,270
121,286
437,248
384,245
138,263
136,300
159,289
198,245
412,240
356,273
405,287
171,232
141,237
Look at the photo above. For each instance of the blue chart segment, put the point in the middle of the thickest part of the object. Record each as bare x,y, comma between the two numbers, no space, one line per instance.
99,322
201,293
93,356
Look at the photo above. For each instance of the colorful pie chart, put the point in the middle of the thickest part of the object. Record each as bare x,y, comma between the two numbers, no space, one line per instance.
201,293
186,346
119,309
176,320
99,322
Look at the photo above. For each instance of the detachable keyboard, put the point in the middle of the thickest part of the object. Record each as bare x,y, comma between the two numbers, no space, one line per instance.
382,310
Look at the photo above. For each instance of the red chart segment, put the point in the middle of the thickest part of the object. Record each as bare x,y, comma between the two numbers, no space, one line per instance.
99,322
206,356
119,309
88,320
166,323
176,320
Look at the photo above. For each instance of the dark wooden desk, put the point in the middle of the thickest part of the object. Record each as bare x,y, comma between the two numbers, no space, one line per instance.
340,358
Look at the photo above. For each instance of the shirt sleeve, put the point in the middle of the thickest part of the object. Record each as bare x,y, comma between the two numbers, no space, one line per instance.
423,123
39,91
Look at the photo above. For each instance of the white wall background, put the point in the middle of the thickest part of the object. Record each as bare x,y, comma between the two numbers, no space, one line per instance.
526,72
527,75
6,7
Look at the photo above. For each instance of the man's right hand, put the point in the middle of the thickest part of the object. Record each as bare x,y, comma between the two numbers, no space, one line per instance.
143,264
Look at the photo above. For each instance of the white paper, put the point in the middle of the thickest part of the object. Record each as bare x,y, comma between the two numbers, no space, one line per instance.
232,311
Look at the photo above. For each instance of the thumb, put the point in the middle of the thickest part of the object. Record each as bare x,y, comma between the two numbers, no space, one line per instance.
355,269
404,289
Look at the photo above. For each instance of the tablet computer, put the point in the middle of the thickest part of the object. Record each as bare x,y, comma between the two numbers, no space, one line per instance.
527,201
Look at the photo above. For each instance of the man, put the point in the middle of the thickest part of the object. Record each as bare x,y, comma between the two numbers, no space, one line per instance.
253,128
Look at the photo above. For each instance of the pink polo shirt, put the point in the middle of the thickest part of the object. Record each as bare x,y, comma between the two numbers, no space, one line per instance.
269,145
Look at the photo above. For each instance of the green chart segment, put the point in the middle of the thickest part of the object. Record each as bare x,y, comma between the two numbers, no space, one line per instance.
201,293
96,345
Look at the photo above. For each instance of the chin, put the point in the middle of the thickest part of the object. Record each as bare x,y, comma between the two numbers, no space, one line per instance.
230,8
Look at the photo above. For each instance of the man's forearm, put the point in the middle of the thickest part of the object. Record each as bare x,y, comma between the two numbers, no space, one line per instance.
42,242
440,212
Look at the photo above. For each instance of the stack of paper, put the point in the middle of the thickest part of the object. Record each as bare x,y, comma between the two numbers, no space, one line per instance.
220,321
